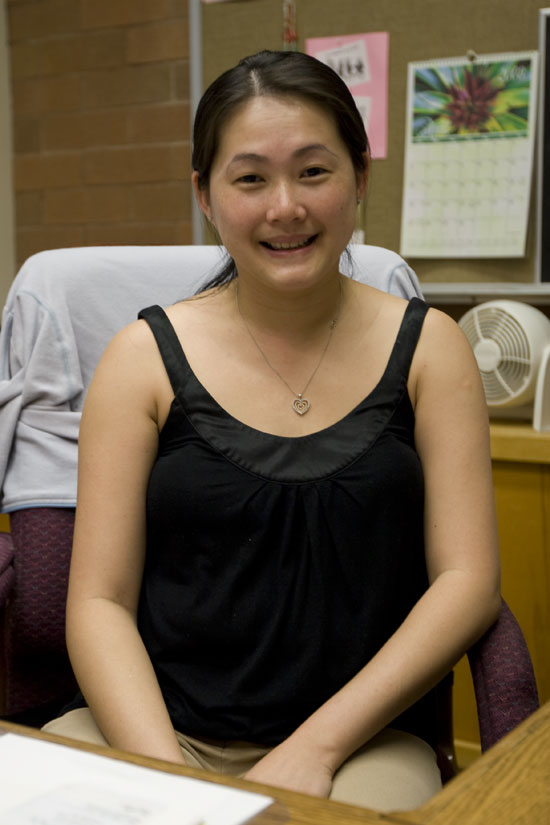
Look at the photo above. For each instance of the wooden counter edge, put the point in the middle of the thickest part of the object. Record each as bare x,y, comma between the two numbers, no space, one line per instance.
517,441
513,773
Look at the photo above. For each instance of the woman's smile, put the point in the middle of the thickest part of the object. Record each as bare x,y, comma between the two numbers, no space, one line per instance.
291,244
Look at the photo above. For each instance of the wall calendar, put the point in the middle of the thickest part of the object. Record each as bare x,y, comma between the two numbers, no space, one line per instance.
469,156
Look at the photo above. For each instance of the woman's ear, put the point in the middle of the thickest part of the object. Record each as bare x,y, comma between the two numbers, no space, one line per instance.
202,196
362,178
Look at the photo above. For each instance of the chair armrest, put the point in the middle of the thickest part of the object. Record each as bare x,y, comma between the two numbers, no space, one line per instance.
7,573
504,680
445,746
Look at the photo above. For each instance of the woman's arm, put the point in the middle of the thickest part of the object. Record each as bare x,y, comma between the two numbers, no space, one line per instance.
463,598
117,447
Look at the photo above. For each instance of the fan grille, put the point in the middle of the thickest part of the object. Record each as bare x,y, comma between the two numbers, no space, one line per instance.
513,371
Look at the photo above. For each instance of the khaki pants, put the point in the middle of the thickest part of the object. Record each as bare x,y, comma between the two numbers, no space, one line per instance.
393,771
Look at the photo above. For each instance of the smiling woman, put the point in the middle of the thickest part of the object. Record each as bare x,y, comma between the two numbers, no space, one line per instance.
279,584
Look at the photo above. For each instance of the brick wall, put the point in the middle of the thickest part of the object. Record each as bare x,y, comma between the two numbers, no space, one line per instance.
101,122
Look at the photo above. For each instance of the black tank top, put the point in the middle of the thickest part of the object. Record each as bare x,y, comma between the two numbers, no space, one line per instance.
276,567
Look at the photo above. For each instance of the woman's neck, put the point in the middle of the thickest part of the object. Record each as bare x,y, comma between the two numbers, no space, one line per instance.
291,314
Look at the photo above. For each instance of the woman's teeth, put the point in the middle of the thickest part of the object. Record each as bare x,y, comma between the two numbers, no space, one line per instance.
298,245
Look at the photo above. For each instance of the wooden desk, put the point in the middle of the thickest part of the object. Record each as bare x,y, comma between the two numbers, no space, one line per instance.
510,785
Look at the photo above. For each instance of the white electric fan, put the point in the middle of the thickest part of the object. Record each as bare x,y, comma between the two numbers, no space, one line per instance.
511,343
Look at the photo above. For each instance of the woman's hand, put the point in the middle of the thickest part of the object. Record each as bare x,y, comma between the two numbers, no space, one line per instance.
290,766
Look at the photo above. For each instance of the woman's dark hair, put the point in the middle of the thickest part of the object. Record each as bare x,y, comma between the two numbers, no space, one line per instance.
276,74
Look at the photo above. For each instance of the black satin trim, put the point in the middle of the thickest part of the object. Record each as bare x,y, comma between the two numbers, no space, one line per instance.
283,459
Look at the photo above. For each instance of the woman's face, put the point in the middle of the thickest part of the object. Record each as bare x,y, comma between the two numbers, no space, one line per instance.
282,192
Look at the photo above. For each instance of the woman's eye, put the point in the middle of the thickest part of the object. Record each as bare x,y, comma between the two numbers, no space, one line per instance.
249,179
314,171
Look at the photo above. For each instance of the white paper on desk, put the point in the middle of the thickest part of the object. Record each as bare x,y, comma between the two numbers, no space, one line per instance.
468,156
94,805
41,778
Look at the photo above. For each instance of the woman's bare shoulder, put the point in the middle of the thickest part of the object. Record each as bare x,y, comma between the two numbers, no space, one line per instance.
444,361
365,293
131,364
442,336
132,342
381,309
201,316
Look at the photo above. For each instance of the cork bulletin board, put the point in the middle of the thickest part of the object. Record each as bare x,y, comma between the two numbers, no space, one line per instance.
419,30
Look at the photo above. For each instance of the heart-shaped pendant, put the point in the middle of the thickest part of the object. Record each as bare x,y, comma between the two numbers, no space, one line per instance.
300,405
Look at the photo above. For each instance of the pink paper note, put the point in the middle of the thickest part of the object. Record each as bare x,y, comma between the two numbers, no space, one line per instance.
361,60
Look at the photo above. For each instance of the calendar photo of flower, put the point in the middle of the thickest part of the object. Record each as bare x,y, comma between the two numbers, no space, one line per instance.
461,101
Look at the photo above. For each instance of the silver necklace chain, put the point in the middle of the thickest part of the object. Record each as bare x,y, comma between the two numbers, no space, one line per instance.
300,405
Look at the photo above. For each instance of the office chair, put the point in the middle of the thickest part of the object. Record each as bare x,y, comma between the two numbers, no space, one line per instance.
38,678
504,684
7,573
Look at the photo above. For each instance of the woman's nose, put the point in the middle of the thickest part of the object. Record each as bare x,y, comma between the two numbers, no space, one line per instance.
285,204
